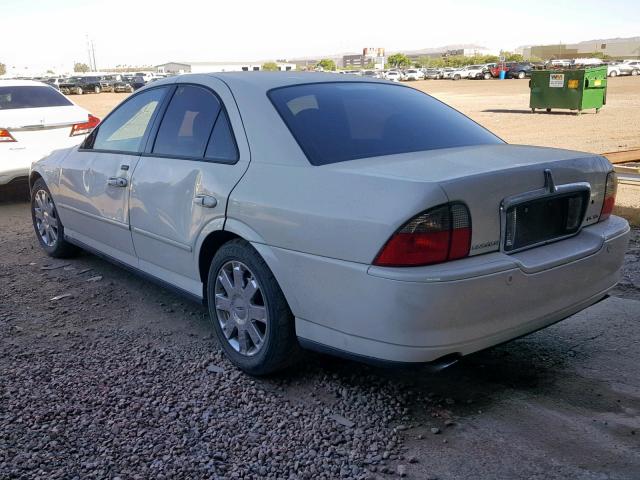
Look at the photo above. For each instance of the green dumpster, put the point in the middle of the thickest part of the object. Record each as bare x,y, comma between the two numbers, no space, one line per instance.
573,89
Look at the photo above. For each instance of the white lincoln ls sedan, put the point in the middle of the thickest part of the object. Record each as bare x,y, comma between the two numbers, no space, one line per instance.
336,213
36,119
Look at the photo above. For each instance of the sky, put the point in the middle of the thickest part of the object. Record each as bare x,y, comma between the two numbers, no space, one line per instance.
53,34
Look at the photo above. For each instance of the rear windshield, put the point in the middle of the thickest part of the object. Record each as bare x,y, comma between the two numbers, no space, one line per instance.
31,97
340,121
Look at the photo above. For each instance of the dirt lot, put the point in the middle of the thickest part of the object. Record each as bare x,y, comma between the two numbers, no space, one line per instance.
104,375
503,107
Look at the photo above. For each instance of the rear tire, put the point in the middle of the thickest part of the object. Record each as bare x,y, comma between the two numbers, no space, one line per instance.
613,74
46,223
634,72
79,91
521,75
249,312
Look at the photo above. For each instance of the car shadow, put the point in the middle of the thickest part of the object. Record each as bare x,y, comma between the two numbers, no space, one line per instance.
529,112
15,191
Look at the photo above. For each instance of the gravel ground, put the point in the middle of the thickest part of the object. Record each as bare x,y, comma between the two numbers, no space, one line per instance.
103,375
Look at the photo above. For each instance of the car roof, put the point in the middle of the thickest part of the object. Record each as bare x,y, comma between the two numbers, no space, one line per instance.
21,83
266,81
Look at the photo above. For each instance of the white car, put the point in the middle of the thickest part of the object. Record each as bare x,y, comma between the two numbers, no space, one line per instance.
618,69
336,213
413,74
393,75
471,72
36,119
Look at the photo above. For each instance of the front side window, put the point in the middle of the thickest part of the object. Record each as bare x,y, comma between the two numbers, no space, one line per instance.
125,129
31,96
340,121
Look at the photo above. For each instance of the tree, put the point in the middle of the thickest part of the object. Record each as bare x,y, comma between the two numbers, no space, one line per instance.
513,57
3,69
270,67
81,67
326,64
398,60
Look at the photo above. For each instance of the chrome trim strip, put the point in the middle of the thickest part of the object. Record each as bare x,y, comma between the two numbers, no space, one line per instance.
94,216
39,127
168,241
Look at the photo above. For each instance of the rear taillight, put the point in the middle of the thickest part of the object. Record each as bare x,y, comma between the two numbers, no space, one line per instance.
610,189
85,127
5,136
437,235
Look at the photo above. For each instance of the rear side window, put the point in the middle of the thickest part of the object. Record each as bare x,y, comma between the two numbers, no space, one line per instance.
125,129
31,97
195,125
187,123
340,121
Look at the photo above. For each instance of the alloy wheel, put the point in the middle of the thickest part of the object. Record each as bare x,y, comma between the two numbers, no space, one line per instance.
241,308
46,218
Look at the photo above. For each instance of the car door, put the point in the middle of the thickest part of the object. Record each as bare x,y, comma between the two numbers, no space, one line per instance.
196,155
93,196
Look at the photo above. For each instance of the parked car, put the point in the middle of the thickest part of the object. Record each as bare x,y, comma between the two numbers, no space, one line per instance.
403,233
519,70
108,82
413,74
616,69
447,72
432,73
54,82
393,75
123,86
370,74
80,85
471,72
36,119
635,64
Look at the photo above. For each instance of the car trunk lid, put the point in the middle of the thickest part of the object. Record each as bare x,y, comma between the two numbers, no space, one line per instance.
489,177
37,126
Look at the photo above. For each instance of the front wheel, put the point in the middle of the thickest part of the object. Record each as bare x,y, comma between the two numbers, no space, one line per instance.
79,91
250,315
634,72
521,75
96,89
487,76
613,74
46,223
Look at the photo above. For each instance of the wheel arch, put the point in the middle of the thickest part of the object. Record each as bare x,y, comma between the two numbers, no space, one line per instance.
216,235
34,175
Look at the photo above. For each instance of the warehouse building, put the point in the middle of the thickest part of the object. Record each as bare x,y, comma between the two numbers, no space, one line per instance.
206,67
618,48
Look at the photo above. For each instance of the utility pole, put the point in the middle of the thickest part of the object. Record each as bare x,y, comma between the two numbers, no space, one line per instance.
93,53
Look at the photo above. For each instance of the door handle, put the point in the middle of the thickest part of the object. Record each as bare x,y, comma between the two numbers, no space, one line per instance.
117,182
206,201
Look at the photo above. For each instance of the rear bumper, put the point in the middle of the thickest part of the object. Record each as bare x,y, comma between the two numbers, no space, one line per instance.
424,313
